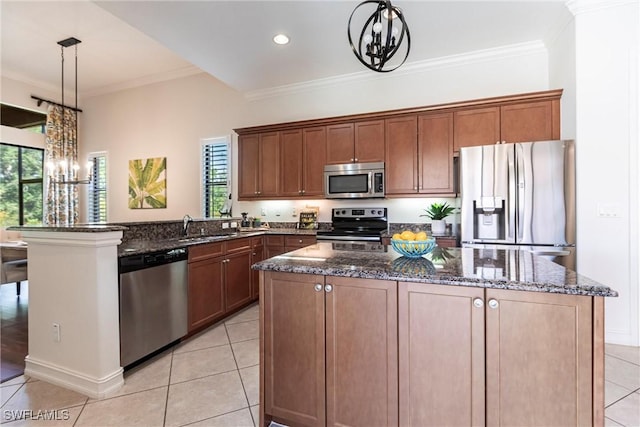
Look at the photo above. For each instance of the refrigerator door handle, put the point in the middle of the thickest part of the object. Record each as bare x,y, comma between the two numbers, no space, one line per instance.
522,189
511,218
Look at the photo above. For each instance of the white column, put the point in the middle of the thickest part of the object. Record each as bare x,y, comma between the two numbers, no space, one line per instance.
73,283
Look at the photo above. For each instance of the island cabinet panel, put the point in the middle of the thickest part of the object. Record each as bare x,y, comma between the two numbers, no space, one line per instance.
369,141
476,126
539,359
315,155
361,352
294,349
330,351
441,355
340,144
291,159
435,153
401,155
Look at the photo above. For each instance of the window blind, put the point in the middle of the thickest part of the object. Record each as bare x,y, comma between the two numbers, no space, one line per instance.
98,189
215,177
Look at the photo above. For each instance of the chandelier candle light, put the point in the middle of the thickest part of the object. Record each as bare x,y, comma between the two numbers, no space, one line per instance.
66,170
381,37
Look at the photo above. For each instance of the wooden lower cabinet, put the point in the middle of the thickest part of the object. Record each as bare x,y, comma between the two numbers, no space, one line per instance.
330,350
206,292
469,356
539,352
441,355
220,280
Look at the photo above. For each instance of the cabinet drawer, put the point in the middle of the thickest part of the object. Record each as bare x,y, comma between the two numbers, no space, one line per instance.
277,240
257,242
299,241
238,245
209,250
446,242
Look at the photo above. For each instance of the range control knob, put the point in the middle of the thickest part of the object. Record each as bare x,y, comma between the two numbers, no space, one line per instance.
373,211
379,212
337,212
344,212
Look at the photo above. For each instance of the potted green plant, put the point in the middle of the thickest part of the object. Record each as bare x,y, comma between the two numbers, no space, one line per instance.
437,212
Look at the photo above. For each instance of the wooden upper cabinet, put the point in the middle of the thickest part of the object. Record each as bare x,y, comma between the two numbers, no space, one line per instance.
248,163
258,161
476,126
340,140
291,159
435,153
531,121
369,141
269,164
539,375
314,142
401,155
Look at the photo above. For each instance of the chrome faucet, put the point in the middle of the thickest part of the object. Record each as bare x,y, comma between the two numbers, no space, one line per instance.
185,224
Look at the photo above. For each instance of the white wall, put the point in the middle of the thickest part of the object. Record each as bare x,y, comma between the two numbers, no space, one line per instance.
607,157
165,119
562,74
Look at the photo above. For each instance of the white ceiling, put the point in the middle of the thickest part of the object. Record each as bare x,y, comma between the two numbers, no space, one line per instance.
128,43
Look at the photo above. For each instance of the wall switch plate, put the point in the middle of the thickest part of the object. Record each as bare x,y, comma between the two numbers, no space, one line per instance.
263,212
608,210
225,225
55,330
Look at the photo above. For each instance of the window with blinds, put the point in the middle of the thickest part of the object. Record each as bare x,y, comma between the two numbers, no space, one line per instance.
97,205
216,177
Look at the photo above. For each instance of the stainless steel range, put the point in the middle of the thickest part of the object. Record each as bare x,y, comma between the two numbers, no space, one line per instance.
356,225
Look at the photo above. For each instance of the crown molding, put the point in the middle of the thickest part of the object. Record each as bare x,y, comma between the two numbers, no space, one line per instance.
479,56
143,81
577,7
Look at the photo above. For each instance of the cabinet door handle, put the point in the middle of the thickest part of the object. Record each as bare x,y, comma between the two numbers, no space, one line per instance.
303,191
493,303
355,160
328,288
300,241
478,302
317,287
352,159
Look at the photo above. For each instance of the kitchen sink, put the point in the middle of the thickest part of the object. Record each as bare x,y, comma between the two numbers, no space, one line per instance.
197,239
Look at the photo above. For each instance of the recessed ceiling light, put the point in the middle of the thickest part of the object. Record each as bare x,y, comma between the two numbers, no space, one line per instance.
280,39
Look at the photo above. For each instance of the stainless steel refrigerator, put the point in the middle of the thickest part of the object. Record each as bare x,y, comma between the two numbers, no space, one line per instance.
520,196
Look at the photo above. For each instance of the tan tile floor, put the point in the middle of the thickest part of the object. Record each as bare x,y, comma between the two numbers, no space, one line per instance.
212,380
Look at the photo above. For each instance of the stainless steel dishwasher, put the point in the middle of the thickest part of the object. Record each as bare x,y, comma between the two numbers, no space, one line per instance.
153,302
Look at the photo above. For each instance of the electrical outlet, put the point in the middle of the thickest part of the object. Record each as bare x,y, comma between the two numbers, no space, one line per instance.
225,225
263,212
55,330
278,212
294,212
234,225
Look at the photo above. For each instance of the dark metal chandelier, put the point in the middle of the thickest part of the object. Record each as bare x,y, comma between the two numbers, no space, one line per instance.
379,38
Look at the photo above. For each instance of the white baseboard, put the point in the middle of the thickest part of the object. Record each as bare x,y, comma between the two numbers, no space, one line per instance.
620,337
93,387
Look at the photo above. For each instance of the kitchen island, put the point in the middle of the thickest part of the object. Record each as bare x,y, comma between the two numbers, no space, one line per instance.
458,337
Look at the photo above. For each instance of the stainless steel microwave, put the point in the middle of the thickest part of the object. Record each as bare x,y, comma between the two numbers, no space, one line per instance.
354,181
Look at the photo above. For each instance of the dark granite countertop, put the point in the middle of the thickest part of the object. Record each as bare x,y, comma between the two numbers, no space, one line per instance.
500,269
78,228
142,246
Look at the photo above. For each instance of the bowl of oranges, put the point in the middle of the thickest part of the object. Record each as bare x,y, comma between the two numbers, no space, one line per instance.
412,245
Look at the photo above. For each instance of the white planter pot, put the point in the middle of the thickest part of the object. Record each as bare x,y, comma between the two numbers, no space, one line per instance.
438,226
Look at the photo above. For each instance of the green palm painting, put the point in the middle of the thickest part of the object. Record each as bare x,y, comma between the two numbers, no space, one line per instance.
148,183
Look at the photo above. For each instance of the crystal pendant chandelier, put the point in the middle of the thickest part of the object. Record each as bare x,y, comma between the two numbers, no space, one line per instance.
381,37
65,169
